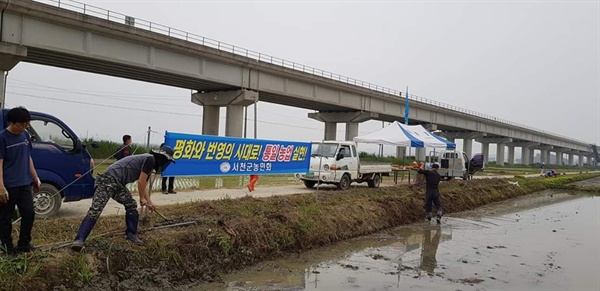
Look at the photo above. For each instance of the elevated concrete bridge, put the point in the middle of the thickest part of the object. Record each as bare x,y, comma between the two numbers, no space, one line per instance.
78,36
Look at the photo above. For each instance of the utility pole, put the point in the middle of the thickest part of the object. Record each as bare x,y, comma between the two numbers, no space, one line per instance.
148,140
3,89
245,121
381,146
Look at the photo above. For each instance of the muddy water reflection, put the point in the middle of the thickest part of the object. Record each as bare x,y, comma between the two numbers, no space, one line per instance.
543,241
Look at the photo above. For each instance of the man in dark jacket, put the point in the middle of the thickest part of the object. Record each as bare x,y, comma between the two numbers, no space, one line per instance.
112,184
171,187
432,192
124,149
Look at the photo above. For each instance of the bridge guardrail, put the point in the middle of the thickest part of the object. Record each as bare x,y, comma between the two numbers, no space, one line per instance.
226,47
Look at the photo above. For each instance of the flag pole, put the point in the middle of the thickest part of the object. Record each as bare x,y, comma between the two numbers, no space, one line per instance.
406,111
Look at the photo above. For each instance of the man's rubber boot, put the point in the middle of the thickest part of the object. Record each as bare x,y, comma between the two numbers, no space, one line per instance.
131,221
84,231
25,248
429,217
439,217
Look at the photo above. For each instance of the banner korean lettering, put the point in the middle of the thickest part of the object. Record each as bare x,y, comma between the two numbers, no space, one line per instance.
208,155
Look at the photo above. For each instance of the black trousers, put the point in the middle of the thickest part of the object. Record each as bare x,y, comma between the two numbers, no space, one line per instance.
22,197
164,183
433,197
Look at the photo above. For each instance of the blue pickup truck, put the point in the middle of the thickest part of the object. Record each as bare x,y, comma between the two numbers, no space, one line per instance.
62,162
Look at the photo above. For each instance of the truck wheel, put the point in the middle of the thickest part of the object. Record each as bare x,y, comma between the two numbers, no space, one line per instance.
375,182
344,183
47,202
309,184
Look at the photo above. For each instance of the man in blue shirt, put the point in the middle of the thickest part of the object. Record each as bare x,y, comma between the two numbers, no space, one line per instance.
17,175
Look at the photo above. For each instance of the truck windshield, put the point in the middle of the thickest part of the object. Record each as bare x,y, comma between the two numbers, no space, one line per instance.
50,132
324,150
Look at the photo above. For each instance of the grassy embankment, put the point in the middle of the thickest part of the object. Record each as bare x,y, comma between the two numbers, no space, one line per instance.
265,228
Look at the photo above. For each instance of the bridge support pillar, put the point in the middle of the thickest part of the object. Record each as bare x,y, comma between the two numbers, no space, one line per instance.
352,120
511,155
210,120
544,153
351,130
580,160
400,152
485,148
531,156
235,101
559,158
330,131
468,147
526,150
570,159
544,156
234,122
500,150
10,56
420,154
466,136
525,158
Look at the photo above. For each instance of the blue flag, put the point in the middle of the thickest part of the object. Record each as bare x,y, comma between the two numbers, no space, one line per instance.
406,108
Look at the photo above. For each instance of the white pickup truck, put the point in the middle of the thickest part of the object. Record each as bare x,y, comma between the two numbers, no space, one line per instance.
337,162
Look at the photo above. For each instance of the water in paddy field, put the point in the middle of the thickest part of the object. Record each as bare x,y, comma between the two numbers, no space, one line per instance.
543,241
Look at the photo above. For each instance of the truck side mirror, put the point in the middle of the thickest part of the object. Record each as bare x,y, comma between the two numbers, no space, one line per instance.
94,145
78,146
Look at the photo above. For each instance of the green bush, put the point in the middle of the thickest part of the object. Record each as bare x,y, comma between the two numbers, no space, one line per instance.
106,149
369,157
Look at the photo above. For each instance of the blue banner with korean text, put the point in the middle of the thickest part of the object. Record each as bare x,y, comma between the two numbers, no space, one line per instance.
209,155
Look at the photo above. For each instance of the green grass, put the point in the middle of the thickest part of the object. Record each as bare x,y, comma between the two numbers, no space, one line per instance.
526,171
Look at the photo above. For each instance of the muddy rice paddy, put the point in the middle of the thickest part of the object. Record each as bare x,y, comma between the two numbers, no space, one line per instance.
544,241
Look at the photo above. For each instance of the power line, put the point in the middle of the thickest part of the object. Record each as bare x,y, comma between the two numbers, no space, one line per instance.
147,110
88,91
121,98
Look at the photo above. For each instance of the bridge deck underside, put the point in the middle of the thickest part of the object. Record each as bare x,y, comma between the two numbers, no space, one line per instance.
68,61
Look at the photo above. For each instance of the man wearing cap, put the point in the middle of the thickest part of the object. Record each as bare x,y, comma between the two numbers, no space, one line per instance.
111,184
432,191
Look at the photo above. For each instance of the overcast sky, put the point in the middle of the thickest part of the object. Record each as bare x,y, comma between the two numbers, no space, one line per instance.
531,62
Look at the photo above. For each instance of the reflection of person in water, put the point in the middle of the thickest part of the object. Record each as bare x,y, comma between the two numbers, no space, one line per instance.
429,249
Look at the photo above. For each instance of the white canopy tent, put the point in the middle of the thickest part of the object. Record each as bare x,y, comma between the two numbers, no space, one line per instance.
398,134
